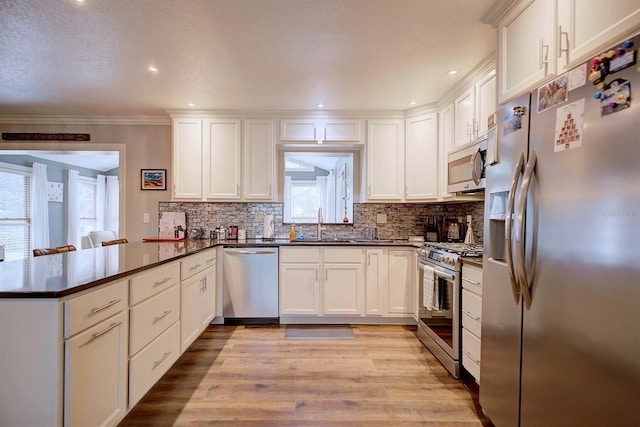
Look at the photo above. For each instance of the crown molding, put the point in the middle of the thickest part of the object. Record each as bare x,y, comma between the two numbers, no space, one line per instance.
283,114
499,9
85,120
484,67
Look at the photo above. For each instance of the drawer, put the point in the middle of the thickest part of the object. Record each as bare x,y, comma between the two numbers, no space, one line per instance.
152,317
149,283
146,368
85,311
196,263
344,255
311,255
471,354
471,312
472,278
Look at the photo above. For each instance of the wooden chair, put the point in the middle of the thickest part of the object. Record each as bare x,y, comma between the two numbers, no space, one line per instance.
56,250
114,242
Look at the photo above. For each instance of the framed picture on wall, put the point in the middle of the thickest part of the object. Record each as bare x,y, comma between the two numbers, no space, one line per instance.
153,179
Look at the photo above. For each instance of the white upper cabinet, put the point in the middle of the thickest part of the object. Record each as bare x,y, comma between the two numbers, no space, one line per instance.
221,157
473,107
485,102
421,154
187,151
445,144
258,160
385,160
464,109
314,131
588,25
526,47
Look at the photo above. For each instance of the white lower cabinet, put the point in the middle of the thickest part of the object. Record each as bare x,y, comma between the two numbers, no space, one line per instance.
390,281
322,281
95,366
148,366
471,319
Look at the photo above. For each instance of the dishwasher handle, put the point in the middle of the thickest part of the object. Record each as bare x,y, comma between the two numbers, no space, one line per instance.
250,252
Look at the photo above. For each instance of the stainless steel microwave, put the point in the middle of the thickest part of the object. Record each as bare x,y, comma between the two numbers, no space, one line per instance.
466,168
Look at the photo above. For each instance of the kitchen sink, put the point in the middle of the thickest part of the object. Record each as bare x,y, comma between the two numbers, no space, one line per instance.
323,242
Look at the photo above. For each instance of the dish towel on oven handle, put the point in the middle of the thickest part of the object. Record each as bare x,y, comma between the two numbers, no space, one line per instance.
428,287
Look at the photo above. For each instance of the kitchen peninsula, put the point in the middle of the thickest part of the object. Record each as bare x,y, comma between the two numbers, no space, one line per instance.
89,332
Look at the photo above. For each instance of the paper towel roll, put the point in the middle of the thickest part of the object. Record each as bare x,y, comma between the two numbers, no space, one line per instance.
268,231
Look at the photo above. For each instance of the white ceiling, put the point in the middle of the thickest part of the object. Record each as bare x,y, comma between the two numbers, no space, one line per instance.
66,57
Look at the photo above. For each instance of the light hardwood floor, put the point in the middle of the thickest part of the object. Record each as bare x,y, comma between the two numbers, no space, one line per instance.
252,376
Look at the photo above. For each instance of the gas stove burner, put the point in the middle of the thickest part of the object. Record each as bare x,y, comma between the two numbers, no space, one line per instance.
462,249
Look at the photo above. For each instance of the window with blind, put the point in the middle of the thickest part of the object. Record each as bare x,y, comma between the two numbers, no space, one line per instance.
15,220
304,201
87,200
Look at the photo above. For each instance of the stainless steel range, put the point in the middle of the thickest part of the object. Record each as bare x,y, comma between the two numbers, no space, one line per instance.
439,297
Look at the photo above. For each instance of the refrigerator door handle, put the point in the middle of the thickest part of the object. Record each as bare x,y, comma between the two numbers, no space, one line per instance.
509,225
525,285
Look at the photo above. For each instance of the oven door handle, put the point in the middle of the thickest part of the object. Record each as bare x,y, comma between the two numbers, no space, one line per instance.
445,276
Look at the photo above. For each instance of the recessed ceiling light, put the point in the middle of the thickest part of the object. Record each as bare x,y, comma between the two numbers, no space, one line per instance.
412,103
452,72
191,104
152,69
320,105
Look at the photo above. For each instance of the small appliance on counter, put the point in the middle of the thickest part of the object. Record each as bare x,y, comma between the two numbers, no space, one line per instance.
431,229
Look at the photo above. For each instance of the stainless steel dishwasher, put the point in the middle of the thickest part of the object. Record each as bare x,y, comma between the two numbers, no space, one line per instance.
250,285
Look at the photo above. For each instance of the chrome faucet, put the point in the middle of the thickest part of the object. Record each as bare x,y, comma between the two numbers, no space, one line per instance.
320,227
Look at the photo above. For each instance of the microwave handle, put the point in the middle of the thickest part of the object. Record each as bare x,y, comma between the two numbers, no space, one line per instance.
474,175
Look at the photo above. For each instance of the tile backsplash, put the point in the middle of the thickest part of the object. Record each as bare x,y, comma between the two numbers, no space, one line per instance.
403,219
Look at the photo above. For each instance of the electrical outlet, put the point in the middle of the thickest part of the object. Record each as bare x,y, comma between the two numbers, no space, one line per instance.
468,218
145,218
257,216
381,218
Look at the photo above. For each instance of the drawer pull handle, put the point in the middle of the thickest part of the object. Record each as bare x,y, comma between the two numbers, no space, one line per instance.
163,281
164,356
104,307
210,260
471,315
104,331
477,362
464,279
194,267
162,316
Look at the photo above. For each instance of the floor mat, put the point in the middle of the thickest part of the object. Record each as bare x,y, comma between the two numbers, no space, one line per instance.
314,333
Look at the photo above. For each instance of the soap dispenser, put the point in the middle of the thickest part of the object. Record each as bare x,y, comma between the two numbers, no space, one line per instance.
292,232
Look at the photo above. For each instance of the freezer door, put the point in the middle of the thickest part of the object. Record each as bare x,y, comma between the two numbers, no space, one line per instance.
501,306
581,342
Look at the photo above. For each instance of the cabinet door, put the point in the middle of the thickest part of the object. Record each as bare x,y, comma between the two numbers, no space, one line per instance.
258,160
190,323
299,130
445,142
526,47
377,281
95,371
464,110
385,160
341,130
421,165
207,301
187,159
485,102
589,25
221,159
343,289
299,288
401,281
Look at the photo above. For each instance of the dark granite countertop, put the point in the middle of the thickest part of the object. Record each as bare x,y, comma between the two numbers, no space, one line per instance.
59,275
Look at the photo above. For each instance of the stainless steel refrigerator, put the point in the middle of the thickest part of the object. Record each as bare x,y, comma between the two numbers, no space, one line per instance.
561,285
